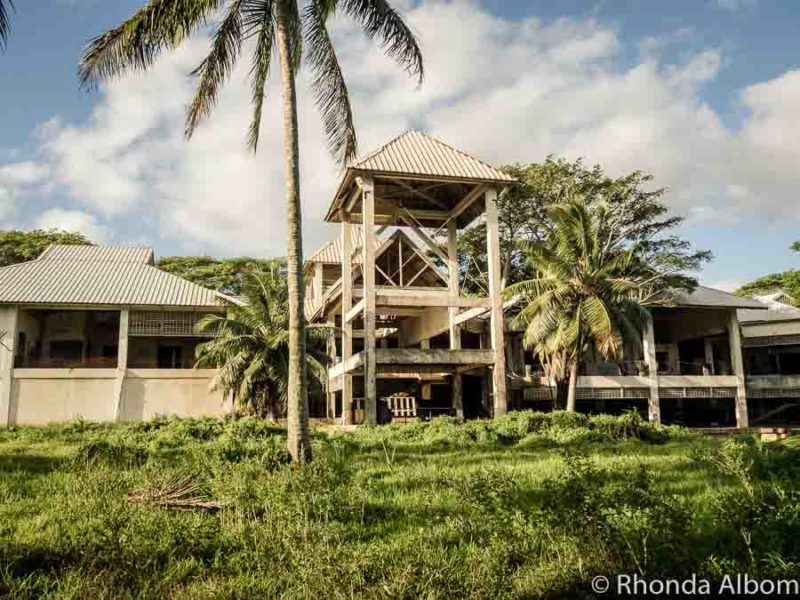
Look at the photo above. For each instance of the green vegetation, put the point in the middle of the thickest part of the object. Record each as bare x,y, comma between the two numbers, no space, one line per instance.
249,347
527,506
788,281
587,294
225,275
19,246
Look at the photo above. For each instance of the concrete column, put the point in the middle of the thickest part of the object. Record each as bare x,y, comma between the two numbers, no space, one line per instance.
331,351
649,347
370,367
737,366
708,348
455,330
317,283
347,328
9,319
496,321
122,363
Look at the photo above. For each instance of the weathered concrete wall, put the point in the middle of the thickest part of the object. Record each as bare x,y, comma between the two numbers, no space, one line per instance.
184,392
40,396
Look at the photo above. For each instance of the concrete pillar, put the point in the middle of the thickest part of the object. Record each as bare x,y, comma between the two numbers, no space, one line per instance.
347,328
9,319
122,362
737,366
455,330
649,347
496,321
370,366
331,351
708,347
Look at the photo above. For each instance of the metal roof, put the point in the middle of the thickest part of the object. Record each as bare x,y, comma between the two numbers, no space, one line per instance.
751,317
331,253
702,296
416,153
103,275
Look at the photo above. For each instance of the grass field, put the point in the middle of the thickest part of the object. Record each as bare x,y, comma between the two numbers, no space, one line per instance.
528,506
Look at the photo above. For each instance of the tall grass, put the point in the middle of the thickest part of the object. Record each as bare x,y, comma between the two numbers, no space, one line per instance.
527,506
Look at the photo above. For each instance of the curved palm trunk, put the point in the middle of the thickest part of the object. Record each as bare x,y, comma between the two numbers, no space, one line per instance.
298,442
573,385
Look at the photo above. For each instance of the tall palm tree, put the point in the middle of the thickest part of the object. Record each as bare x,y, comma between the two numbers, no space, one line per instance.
250,346
587,294
5,7
296,33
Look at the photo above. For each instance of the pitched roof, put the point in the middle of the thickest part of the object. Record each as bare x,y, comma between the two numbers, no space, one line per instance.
331,252
417,153
703,296
106,275
751,317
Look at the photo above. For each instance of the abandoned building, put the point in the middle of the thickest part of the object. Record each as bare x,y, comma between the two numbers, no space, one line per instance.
100,333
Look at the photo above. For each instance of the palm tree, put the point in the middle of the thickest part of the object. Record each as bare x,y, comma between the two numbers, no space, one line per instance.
5,5
250,346
296,33
588,294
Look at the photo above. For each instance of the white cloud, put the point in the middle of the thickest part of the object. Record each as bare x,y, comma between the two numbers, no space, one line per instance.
505,91
21,173
735,5
73,220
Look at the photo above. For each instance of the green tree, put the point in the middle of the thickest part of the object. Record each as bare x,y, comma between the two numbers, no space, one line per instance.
296,34
638,216
795,246
19,246
5,7
786,281
250,346
222,274
588,292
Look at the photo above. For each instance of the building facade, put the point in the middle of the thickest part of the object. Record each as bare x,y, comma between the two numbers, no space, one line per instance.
100,333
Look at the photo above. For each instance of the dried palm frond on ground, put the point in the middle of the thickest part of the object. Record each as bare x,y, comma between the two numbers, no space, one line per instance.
183,493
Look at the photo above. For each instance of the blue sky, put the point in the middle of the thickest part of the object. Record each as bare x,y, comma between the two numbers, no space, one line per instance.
703,94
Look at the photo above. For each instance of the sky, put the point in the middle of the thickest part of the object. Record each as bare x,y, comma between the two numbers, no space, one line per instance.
703,94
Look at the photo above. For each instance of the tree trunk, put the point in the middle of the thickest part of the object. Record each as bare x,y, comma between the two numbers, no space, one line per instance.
573,385
298,441
562,391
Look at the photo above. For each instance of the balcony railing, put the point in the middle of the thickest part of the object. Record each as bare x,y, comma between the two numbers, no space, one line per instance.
91,362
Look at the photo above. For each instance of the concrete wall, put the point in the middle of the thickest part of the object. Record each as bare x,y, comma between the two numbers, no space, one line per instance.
152,392
40,396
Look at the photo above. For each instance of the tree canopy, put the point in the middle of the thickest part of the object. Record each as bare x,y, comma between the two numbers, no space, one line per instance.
637,217
20,246
787,281
225,275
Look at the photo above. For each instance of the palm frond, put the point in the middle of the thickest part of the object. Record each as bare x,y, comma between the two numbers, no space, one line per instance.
330,89
135,44
5,7
259,22
226,46
381,21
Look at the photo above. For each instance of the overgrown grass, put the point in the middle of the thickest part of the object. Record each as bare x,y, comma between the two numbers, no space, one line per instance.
527,506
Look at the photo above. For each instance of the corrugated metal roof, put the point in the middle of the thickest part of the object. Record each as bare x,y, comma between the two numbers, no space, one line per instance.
709,297
99,275
416,153
115,254
331,253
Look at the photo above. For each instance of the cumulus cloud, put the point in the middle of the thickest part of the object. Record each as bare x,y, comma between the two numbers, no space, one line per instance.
506,91
73,220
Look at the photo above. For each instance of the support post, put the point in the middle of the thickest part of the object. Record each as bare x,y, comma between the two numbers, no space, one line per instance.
9,319
455,328
331,351
347,328
122,363
317,283
497,325
370,367
649,347
708,350
737,364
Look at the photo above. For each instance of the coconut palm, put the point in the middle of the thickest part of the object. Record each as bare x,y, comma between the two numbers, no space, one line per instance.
5,7
296,33
587,295
250,346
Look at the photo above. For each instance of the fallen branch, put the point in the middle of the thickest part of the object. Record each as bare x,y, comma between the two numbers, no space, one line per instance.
180,494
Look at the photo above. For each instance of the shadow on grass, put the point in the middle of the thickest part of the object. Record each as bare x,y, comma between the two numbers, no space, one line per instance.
30,463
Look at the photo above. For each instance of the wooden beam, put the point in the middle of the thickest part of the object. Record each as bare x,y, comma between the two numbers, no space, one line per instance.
355,311
347,328
468,315
387,299
497,323
409,220
368,275
467,201
419,193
